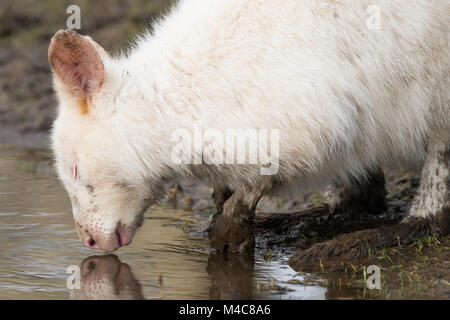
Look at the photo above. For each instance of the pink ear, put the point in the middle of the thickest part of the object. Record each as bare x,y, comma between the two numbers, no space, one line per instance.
77,63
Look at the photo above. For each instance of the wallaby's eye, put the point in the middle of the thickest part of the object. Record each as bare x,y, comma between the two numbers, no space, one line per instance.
74,170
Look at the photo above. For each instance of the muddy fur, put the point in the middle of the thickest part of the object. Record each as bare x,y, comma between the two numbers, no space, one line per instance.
360,197
232,227
352,208
220,196
429,216
351,205
233,233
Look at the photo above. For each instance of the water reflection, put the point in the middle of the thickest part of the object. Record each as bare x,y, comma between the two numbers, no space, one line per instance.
106,277
38,241
231,277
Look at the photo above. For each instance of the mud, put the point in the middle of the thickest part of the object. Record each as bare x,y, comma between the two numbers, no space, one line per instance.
417,270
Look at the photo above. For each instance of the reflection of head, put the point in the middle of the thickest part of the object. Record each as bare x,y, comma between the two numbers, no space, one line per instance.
105,277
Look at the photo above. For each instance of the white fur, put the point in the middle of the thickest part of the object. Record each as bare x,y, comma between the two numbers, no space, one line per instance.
345,98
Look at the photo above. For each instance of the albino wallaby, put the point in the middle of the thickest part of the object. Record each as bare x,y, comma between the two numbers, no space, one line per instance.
345,99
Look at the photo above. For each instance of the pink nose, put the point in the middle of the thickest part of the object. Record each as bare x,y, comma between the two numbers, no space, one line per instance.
90,242
124,235
94,240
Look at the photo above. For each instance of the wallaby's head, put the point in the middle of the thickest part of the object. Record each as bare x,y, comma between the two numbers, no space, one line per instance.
94,158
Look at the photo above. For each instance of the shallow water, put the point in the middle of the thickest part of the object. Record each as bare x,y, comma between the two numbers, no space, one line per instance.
38,242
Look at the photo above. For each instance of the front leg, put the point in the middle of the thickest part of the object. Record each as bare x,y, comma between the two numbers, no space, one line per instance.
429,215
220,195
232,227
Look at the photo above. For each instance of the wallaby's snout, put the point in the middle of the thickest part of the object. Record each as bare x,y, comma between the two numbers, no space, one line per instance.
93,238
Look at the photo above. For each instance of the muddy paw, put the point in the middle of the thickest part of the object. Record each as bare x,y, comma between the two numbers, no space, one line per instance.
231,234
345,247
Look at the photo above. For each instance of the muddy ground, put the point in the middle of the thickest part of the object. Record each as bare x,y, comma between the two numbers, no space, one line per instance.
27,102
27,109
420,270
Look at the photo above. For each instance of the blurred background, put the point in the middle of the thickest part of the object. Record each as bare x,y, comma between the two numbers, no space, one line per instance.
27,102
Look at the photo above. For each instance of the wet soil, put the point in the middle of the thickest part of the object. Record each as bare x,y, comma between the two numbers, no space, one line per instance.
420,270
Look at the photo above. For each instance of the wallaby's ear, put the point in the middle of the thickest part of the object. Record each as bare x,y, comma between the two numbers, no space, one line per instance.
77,63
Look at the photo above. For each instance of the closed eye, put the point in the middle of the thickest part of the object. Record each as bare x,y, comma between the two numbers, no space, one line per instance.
74,170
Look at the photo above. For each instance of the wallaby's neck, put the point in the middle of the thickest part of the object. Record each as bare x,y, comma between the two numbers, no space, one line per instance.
153,103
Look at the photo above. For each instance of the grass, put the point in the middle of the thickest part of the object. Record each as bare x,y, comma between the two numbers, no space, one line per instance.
269,254
316,199
186,225
419,270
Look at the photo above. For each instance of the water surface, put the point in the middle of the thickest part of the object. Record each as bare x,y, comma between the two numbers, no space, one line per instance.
38,242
